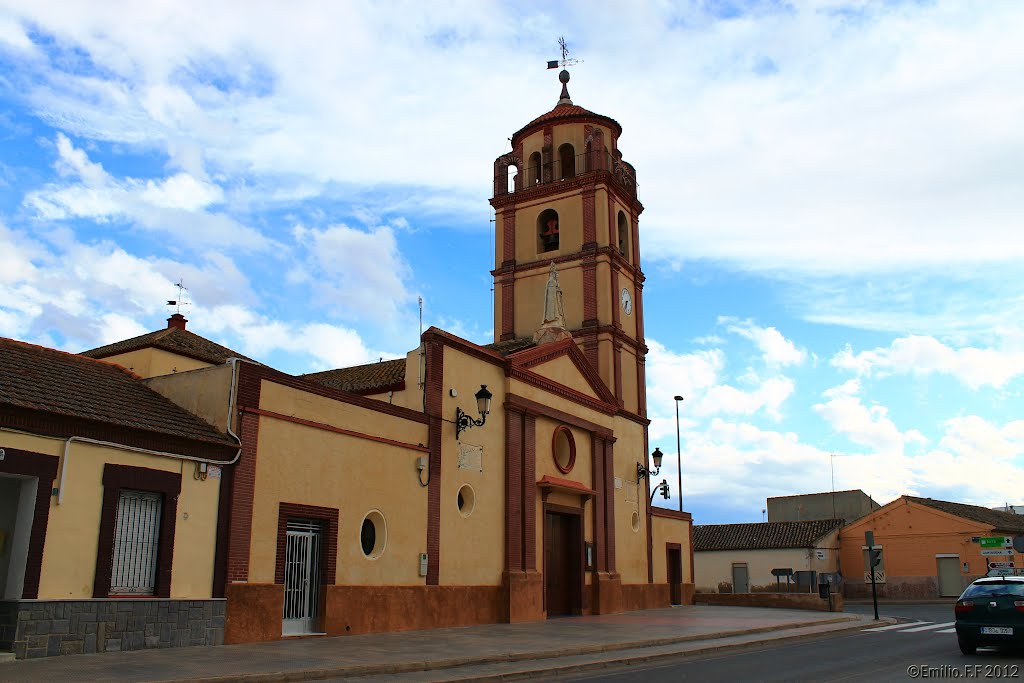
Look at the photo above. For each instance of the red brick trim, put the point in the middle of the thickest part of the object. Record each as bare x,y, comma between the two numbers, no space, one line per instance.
597,511
243,481
531,358
328,517
115,479
513,490
508,310
63,426
434,334
596,179
562,429
529,492
336,430
44,468
523,404
433,390
508,237
609,503
561,390
617,373
590,293
589,216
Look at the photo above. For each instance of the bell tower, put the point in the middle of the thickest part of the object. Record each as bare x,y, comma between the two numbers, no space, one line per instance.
564,196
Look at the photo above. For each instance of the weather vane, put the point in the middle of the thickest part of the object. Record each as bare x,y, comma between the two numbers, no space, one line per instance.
565,61
179,302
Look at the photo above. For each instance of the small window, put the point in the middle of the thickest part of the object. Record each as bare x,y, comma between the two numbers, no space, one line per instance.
513,178
566,161
547,231
564,449
136,539
373,535
533,169
623,235
466,500
634,521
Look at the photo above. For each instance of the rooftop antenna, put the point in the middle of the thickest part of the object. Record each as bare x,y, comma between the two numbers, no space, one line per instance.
179,302
563,75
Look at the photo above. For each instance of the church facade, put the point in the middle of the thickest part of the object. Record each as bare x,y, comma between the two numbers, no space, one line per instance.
464,483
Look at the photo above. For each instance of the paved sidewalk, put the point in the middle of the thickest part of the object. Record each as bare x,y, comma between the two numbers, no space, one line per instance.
455,652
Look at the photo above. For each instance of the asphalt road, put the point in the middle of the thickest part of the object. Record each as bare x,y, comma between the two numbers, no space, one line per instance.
885,655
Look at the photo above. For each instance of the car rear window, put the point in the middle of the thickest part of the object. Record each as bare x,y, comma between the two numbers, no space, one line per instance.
1007,588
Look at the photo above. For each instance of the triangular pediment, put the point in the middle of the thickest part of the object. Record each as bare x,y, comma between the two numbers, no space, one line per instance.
563,364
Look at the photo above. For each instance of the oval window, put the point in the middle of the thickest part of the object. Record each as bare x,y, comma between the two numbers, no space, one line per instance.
466,500
634,521
373,534
563,447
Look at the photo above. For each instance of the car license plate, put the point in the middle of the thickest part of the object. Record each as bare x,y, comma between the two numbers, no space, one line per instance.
996,631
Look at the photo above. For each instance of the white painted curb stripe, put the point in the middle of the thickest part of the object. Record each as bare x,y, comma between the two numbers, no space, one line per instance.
889,628
930,627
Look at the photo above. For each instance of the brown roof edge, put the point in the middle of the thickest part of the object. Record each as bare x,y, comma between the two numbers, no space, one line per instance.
464,345
671,514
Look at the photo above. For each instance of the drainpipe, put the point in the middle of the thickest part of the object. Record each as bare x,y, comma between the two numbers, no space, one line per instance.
178,456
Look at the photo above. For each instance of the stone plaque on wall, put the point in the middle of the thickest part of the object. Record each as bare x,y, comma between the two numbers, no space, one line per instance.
632,491
471,457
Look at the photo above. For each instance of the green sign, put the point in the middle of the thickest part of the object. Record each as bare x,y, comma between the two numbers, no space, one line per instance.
996,542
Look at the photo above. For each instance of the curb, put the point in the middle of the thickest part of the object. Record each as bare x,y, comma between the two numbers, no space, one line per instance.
652,658
451,663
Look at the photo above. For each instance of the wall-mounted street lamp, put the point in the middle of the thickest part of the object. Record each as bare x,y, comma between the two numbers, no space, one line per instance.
642,472
483,405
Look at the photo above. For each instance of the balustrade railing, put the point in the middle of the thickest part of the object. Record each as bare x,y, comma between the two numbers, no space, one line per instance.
558,170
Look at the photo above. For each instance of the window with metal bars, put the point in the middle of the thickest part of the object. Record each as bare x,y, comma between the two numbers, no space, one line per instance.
136,541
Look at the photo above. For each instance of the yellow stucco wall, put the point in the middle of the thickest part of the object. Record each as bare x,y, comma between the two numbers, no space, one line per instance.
565,372
570,228
153,362
72,533
311,466
529,298
472,548
204,392
668,530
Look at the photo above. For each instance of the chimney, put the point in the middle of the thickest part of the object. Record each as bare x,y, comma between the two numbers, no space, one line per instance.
177,320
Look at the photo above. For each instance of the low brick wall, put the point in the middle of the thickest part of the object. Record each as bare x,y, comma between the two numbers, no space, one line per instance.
44,628
809,601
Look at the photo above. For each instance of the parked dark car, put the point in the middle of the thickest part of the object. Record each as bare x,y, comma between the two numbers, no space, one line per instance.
991,612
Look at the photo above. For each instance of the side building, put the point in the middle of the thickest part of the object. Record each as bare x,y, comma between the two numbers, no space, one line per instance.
109,509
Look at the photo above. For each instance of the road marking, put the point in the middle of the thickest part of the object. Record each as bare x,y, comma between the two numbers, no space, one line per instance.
889,628
948,630
929,627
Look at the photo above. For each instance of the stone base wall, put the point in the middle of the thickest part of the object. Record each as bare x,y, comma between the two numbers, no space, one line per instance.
45,628
641,596
780,600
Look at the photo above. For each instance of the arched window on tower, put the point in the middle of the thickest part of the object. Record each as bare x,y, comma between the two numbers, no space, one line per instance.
623,235
566,161
533,169
513,178
547,231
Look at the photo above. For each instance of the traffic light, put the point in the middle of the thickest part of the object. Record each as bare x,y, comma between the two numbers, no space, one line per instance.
664,488
875,557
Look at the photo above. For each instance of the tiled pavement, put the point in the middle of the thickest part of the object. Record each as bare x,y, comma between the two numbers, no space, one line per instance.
449,653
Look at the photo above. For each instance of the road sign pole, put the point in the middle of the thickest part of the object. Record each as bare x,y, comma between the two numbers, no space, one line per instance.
869,538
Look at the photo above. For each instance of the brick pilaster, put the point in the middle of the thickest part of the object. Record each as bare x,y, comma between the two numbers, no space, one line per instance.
513,490
433,388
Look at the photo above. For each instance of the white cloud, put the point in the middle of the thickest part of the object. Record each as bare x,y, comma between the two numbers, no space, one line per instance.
258,337
776,349
176,205
360,271
924,355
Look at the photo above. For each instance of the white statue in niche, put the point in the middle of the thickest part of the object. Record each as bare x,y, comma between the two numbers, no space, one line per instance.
552,328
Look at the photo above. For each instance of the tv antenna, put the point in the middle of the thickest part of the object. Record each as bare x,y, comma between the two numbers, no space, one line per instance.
566,60
180,301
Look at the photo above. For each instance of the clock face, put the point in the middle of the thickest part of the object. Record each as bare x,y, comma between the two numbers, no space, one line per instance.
627,301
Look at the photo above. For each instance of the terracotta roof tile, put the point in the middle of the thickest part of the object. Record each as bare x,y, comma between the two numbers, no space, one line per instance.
1001,521
67,385
507,348
566,111
762,535
363,379
173,340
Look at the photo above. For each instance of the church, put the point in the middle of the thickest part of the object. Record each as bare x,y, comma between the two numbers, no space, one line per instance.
462,484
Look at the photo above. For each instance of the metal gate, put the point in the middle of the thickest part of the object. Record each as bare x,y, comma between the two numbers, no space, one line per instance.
136,541
301,577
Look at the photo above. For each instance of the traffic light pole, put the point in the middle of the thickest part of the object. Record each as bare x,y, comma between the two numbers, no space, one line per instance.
869,538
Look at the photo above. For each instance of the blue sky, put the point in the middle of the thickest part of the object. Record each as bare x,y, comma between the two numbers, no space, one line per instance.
833,192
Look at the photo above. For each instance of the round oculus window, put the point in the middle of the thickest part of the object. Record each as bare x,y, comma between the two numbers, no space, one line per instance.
466,500
373,534
563,447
